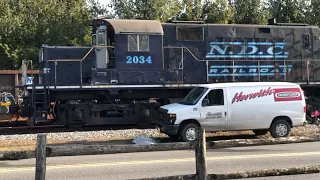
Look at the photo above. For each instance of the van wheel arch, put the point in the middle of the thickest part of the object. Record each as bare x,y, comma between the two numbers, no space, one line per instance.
286,118
184,125
283,122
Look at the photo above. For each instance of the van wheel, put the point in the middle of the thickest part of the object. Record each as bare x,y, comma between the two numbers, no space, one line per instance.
280,128
188,132
260,132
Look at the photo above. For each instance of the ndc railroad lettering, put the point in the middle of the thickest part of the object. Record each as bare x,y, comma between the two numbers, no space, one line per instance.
247,50
248,70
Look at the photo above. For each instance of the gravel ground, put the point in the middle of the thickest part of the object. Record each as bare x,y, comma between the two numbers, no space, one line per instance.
27,141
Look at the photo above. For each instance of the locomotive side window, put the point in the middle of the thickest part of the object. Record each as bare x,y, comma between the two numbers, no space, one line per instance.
138,43
189,33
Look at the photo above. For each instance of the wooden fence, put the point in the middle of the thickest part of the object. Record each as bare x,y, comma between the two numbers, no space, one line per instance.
200,155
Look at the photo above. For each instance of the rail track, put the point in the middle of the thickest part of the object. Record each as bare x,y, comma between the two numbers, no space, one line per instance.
20,130
23,128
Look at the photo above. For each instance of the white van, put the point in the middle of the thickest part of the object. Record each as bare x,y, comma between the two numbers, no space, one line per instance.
257,106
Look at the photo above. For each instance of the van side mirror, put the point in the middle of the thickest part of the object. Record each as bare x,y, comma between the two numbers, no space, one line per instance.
205,102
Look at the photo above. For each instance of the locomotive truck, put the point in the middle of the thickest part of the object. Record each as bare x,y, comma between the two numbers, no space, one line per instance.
135,66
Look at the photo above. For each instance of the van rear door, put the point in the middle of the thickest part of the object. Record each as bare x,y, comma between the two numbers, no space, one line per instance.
213,113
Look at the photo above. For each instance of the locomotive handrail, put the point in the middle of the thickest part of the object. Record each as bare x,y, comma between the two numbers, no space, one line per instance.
84,57
93,48
79,60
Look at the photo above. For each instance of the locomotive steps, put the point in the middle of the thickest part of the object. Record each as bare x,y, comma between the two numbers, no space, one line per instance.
82,149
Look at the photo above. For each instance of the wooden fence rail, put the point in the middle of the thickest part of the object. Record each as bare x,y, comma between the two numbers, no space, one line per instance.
199,144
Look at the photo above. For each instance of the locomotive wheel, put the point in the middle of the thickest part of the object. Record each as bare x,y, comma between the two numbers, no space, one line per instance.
69,120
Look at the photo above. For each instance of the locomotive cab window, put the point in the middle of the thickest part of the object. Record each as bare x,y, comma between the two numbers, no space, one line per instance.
138,43
189,33
101,39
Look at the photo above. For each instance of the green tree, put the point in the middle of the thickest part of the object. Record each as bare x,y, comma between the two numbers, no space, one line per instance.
218,11
191,10
313,13
161,10
249,12
294,11
27,24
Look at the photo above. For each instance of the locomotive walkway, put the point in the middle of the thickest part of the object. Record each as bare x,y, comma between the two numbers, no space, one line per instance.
169,163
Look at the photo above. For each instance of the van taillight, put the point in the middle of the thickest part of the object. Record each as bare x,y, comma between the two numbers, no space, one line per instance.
304,109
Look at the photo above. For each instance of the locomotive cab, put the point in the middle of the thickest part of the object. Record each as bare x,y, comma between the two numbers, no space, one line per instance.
127,51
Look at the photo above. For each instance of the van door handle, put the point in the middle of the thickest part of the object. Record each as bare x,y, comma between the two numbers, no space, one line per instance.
225,113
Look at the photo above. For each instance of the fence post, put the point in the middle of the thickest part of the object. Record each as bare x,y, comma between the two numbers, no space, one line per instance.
41,156
200,151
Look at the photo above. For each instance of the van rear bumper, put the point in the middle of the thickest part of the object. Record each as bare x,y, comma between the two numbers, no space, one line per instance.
169,129
299,122
305,123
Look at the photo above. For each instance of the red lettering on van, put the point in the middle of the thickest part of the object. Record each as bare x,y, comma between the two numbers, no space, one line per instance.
263,92
287,94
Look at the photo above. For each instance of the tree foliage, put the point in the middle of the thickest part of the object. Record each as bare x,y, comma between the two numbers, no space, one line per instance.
25,25
249,12
219,11
313,15
161,10
290,10
191,10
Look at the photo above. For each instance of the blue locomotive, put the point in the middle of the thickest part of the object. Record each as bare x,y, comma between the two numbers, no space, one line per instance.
135,66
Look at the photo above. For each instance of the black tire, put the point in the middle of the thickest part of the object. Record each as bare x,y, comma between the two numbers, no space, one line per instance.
283,125
260,132
188,132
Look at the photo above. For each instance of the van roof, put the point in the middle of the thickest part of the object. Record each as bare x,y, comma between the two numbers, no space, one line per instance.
246,84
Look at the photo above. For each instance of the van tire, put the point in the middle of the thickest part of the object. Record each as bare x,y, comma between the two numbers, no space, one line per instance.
188,132
280,128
